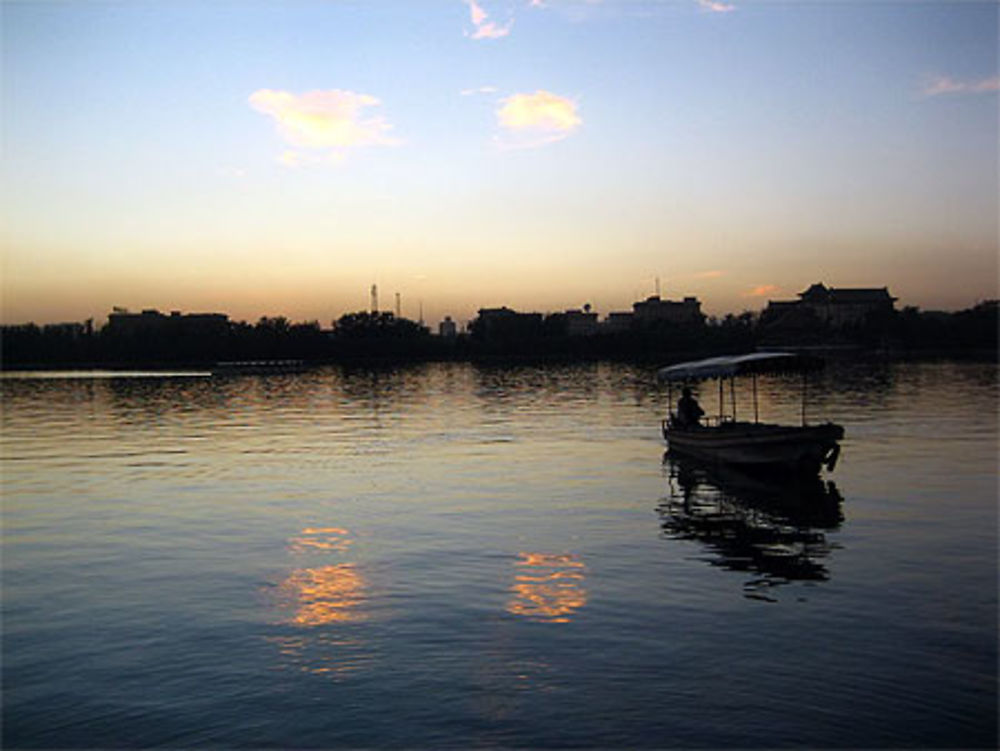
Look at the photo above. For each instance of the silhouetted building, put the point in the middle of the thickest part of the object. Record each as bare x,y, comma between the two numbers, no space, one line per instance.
834,307
506,324
617,323
447,328
72,331
580,322
654,310
153,322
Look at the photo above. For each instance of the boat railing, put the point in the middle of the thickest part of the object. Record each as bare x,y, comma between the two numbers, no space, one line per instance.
707,421
714,421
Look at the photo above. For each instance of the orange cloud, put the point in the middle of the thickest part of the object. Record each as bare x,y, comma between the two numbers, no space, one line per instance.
538,118
938,85
763,290
325,123
484,28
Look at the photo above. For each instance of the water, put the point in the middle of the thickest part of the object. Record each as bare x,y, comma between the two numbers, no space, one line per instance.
461,556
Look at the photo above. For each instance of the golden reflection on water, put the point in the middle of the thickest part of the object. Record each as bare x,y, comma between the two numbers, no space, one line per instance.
327,594
331,593
322,601
323,654
321,538
548,587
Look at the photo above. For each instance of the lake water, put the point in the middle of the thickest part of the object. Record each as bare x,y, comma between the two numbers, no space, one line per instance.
454,556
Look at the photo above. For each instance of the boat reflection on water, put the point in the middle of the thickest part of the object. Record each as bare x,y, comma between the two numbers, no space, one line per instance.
770,526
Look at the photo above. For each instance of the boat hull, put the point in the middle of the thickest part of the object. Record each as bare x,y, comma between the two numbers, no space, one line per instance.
755,445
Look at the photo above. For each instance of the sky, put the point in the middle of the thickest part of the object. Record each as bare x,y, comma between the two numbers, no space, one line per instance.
280,158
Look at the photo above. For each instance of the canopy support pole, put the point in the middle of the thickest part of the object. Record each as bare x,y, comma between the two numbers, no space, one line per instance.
805,388
732,395
756,417
722,383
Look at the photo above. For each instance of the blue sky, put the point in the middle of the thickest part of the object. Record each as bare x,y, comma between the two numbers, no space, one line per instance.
278,158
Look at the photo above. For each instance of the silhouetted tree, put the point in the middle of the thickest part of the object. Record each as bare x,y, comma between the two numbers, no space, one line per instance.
381,325
975,328
380,334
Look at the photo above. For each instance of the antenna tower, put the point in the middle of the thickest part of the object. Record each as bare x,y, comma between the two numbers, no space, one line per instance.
374,298
399,307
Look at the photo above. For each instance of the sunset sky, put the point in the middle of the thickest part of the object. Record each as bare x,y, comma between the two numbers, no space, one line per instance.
260,158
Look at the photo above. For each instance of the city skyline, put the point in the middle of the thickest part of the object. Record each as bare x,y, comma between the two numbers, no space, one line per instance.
610,317
278,159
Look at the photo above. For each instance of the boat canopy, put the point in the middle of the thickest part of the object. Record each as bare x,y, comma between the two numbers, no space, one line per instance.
734,365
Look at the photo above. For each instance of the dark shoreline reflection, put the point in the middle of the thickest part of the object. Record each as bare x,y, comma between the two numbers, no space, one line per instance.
772,527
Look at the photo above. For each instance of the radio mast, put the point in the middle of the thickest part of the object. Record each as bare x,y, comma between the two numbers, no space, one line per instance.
374,298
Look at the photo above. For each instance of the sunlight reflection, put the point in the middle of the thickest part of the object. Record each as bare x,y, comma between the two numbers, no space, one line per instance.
324,594
548,587
321,538
328,594
323,654
324,600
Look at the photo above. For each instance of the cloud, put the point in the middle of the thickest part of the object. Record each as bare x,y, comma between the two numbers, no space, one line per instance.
484,28
479,90
327,124
763,290
714,6
940,85
538,118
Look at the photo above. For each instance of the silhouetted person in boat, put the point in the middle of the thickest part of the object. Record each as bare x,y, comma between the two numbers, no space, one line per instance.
689,412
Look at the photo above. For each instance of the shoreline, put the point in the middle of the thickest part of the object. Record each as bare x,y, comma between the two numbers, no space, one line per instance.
216,368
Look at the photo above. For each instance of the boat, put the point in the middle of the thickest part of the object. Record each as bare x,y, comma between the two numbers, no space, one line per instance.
803,449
